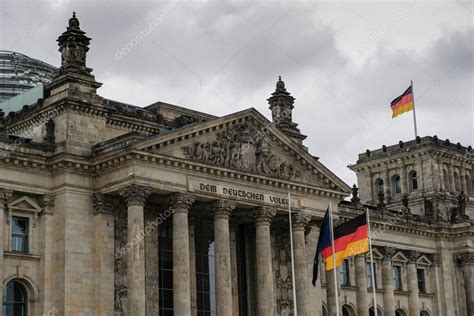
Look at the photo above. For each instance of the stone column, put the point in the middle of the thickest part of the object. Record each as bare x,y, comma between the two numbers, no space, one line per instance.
466,261
233,267
387,282
192,265
265,299
412,277
462,176
361,283
331,293
314,291
386,182
5,195
222,210
452,183
180,204
435,285
404,179
135,196
301,276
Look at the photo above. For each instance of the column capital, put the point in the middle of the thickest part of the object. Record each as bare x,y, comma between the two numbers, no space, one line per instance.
263,215
300,220
435,260
135,194
223,208
388,253
181,201
5,195
413,256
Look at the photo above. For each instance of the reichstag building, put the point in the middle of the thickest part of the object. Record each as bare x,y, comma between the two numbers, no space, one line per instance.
112,209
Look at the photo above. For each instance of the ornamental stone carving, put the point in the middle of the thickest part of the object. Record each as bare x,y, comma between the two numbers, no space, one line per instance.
413,256
120,261
300,220
388,253
101,204
135,194
242,147
5,195
181,201
223,208
264,215
47,203
282,271
464,259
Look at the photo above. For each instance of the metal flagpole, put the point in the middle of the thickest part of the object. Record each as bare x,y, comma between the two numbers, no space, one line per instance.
334,258
414,112
292,256
371,262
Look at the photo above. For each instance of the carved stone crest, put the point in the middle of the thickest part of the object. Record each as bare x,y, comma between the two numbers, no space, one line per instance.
242,147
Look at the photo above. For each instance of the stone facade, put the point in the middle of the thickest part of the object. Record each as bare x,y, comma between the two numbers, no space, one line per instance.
112,209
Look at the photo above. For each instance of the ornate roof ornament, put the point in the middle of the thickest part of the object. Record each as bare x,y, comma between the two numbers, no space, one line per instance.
281,105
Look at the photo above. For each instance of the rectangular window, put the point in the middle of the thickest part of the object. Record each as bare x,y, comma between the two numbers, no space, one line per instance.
421,280
344,273
397,278
165,268
19,234
369,276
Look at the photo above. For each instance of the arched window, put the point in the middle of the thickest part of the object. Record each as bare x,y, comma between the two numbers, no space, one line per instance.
347,310
396,183
468,185
379,186
424,313
372,312
15,299
413,180
400,312
457,182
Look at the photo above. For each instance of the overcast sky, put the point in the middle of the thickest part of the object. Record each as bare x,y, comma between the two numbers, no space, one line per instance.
343,61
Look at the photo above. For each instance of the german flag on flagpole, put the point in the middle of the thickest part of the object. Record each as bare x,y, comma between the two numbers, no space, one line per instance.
403,103
350,239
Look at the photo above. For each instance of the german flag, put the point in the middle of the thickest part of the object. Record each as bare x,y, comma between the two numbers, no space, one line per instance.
403,103
350,239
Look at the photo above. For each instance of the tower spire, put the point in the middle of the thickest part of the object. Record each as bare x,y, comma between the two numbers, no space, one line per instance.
282,104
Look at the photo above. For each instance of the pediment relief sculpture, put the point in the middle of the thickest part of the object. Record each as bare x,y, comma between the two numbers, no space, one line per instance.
242,147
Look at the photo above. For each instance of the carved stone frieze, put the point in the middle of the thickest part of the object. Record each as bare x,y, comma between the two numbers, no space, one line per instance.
242,147
47,203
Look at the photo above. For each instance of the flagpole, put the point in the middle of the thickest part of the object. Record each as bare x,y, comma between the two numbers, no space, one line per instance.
372,261
334,259
414,112
292,256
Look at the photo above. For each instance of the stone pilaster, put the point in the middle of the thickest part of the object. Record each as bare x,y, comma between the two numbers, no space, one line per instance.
135,196
180,204
152,262
435,283
222,210
387,282
103,254
361,283
314,292
387,183
5,195
301,276
466,261
412,277
452,184
265,299
47,264
233,265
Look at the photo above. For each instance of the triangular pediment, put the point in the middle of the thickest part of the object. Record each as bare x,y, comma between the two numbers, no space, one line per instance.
423,260
25,204
400,257
245,141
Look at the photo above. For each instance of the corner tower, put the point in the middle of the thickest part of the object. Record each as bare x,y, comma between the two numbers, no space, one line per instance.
281,104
